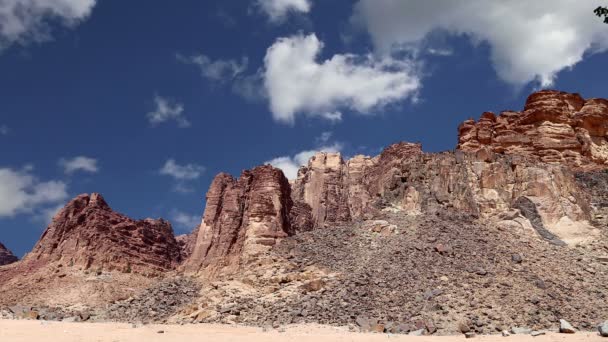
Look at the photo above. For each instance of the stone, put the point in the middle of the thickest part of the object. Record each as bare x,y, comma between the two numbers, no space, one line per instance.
521,331
418,332
603,329
505,333
516,258
313,285
6,256
537,333
469,334
565,327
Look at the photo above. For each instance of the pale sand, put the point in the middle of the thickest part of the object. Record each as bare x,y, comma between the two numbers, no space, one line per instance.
27,331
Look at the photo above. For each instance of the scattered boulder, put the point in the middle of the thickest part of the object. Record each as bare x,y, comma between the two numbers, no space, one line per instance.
521,331
603,329
565,327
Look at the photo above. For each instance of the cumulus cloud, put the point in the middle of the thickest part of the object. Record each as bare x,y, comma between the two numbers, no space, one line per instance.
529,40
183,175
21,192
22,21
80,163
291,164
167,110
182,172
277,10
296,83
216,70
46,215
184,220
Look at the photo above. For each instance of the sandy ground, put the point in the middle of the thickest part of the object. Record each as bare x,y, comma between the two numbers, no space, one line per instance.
26,331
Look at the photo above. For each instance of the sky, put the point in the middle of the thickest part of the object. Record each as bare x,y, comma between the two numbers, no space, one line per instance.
146,101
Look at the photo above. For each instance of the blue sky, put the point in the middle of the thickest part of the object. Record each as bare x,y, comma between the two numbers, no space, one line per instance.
146,101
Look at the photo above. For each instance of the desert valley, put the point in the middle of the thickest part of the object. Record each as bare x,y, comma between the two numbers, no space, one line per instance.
505,235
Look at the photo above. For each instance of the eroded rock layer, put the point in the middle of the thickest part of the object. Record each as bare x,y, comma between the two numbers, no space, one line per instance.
87,233
484,184
242,218
554,127
6,256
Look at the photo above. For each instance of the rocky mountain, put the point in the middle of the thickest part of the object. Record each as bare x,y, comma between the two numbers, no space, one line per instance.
6,256
554,127
88,234
508,230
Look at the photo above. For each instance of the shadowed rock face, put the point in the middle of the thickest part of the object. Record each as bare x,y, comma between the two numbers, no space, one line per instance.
87,233
554,127
6,256
243,217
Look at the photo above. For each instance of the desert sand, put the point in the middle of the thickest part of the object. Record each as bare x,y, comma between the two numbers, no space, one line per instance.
26,331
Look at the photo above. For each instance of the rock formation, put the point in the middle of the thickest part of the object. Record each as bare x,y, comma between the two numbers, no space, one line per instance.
87,234
554,127
6,256
186,243
243,217
484,184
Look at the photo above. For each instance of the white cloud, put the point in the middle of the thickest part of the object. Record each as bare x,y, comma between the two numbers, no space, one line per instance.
21,192
291,164
218,70
529,40
22,21
80,163
297,83
166,110
184,220
277,10
46,215
4,130
182,172
324,137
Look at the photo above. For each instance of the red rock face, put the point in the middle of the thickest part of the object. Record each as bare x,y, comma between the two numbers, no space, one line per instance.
338,192
186,243
6,256
87,233
243,217
554,127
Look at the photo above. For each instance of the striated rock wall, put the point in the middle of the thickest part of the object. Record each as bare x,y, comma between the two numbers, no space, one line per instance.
87,233
6,256
484,184
554,127
243,217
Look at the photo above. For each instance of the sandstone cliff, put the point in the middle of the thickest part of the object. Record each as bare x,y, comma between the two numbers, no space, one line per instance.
554,127
484,184
6,256
87,234
243,217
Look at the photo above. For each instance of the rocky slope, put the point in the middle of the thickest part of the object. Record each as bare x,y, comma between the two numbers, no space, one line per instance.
554,127
90,255
6,256
403,273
